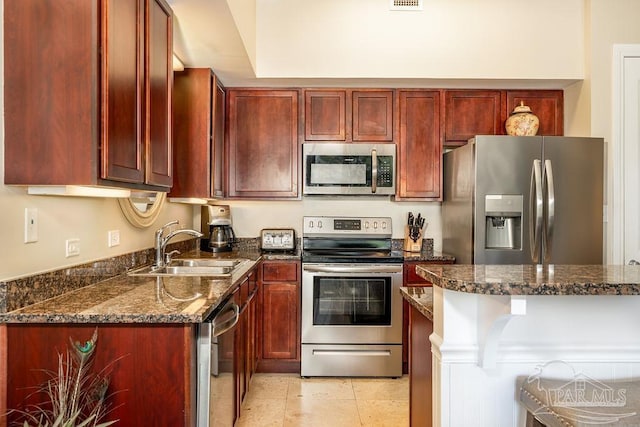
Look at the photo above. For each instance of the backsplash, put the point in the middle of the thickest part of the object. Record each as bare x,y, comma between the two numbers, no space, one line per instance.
18,293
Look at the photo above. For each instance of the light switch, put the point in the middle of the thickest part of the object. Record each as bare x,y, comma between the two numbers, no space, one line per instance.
30,225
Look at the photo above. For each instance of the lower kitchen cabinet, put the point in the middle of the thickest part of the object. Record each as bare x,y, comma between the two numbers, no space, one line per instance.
152,368
411,278
280,317
420,392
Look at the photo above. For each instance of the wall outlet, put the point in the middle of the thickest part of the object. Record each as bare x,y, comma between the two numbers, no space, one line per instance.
30,225
72,247
113,238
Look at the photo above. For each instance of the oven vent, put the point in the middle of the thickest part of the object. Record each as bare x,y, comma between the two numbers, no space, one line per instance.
408,5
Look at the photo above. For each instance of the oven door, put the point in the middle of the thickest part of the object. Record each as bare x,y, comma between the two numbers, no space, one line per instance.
351,303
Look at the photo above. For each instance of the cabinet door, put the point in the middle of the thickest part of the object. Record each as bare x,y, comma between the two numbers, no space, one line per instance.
472,112
56,143
217,152
325,115
158,87
372,115
134,356
548,105
192,124
280,321
420,375
123,79
419,147
263,144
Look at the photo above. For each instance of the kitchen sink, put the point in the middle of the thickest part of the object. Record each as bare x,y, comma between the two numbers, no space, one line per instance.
192,267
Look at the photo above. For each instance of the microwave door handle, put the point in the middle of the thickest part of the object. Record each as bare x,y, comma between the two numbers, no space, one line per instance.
374,170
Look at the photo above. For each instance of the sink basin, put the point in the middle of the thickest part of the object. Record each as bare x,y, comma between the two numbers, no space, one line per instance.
205,262
192,267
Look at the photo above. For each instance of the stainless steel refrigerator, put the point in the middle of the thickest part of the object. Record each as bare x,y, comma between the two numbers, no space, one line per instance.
522,200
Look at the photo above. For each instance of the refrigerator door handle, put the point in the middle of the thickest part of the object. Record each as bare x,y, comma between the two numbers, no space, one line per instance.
535,210
549,190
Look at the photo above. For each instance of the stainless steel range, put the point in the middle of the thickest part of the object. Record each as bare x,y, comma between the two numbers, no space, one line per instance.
351,303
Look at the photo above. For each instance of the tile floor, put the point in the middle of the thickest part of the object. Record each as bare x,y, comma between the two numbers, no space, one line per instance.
288,400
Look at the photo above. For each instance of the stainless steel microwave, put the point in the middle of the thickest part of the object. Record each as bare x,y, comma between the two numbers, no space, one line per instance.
349,169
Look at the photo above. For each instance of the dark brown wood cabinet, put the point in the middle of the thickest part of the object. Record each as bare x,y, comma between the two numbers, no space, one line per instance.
198,134
472,112
88,98
348,115
419,146
263,146
420,378
410,279
140,359
325,113
483,112
245,338
280,294
548,105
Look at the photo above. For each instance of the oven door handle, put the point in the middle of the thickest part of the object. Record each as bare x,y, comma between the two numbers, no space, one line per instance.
353,268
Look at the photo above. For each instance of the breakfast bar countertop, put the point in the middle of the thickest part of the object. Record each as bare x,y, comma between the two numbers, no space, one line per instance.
535,279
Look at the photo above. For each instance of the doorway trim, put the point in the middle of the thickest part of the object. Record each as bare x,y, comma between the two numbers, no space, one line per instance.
617,151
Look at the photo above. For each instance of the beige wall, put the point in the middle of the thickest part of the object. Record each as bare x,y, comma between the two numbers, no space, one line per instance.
449,39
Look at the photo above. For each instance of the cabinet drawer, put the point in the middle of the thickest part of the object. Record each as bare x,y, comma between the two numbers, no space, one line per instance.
280,271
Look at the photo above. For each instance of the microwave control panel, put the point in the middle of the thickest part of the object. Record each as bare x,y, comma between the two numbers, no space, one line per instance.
385,171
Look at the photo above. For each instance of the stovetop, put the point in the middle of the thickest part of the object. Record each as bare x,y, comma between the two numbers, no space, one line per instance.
348,240
352,257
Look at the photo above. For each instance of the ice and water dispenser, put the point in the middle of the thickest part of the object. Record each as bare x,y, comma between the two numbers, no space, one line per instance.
503,216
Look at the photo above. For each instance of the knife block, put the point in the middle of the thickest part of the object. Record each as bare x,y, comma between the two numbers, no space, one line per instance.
409,244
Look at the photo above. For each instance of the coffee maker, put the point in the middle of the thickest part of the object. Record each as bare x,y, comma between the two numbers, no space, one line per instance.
216,228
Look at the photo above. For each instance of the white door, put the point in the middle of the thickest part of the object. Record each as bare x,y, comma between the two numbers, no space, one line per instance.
626,154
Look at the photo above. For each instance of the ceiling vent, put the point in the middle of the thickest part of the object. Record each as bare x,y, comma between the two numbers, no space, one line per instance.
411,5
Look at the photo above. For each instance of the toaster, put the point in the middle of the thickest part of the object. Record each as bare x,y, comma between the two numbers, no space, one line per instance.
278,239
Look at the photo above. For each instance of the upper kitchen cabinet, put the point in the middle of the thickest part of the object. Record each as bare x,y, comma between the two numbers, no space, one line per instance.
348,115
88,93
198,134
472,112
419,146
262,139
484,112
548,105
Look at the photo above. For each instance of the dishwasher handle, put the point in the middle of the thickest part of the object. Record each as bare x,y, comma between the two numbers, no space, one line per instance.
226,319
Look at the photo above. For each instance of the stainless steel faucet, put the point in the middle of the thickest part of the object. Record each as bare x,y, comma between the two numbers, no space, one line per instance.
161,242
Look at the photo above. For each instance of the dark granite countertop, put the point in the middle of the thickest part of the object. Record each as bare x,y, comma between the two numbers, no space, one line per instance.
138,299
428,256
102,292
535,279
420,297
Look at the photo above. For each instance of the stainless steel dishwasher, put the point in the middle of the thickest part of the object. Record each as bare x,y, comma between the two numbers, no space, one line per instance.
216,392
